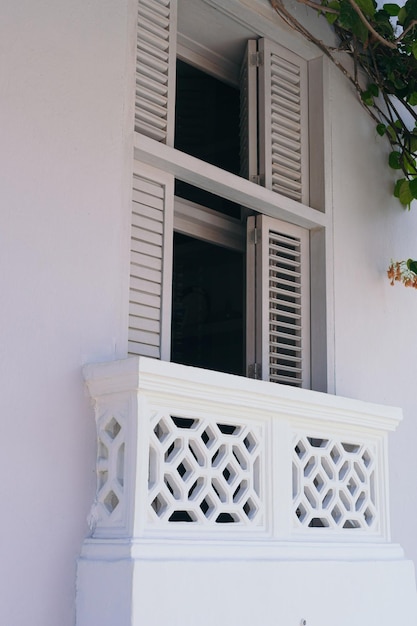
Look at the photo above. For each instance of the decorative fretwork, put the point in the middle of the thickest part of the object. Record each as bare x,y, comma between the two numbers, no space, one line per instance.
110,470
334,484
204,471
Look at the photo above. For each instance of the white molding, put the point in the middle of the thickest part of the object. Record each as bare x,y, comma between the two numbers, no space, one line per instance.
198,221
247,550
260,17
232,187
203,58
173,380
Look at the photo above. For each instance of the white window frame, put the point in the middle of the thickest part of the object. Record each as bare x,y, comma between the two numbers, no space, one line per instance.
319,222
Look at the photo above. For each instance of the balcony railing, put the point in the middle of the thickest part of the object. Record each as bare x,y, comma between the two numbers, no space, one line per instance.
207,459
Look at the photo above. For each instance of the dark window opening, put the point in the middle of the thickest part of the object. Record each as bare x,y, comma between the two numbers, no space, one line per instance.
207,127
208,306
207,118
207,199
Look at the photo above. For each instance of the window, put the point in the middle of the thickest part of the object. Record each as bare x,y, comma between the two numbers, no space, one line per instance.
208,307
207,127
252,315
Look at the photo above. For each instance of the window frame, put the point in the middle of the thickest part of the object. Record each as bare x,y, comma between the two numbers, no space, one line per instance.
247,194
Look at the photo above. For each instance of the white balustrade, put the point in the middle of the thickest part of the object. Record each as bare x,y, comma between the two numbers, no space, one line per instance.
233,501
185,452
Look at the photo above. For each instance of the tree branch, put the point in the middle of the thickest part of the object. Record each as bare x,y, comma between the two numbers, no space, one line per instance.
374,61
406,31
318,7
371,29
281,10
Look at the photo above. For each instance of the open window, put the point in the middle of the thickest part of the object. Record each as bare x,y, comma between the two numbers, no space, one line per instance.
209,289
274,112
240,301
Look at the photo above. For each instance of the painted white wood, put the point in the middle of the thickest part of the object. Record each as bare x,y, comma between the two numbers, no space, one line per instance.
155,69
260,17
283,121
151,263
317,158
320,311
283,302
268,202
251,300
225,184
209,225
208,60
249,114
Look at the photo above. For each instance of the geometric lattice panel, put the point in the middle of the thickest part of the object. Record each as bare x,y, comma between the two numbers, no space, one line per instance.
110,466
334,484
204,471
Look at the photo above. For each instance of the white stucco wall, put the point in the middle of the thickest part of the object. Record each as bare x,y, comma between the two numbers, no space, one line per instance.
375,333
62,233
66,70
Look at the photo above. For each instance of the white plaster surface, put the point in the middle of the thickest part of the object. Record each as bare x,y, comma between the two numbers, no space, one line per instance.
375,333
247,593
63,219
65,152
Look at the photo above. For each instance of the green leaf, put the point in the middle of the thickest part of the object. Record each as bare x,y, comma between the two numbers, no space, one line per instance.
394,160
399,85
412,99
359,29
367,98
398,187
366,6
414,49
402,16
392,134
350,20
405,194
413,143
331,17
381,129
413,188
410,165
373,89
383,24
412,265
391,9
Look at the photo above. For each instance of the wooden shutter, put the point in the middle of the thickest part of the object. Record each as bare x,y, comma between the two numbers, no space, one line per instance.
282,312
151,263
155,69
283,121
249,114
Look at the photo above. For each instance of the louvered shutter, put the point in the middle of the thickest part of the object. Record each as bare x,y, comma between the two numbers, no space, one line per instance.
283,121
151,264
249,114
282,302
155,69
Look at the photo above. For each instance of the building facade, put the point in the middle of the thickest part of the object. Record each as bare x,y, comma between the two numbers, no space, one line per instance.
193,214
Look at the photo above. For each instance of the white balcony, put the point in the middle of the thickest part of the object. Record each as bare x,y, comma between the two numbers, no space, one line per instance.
197,468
